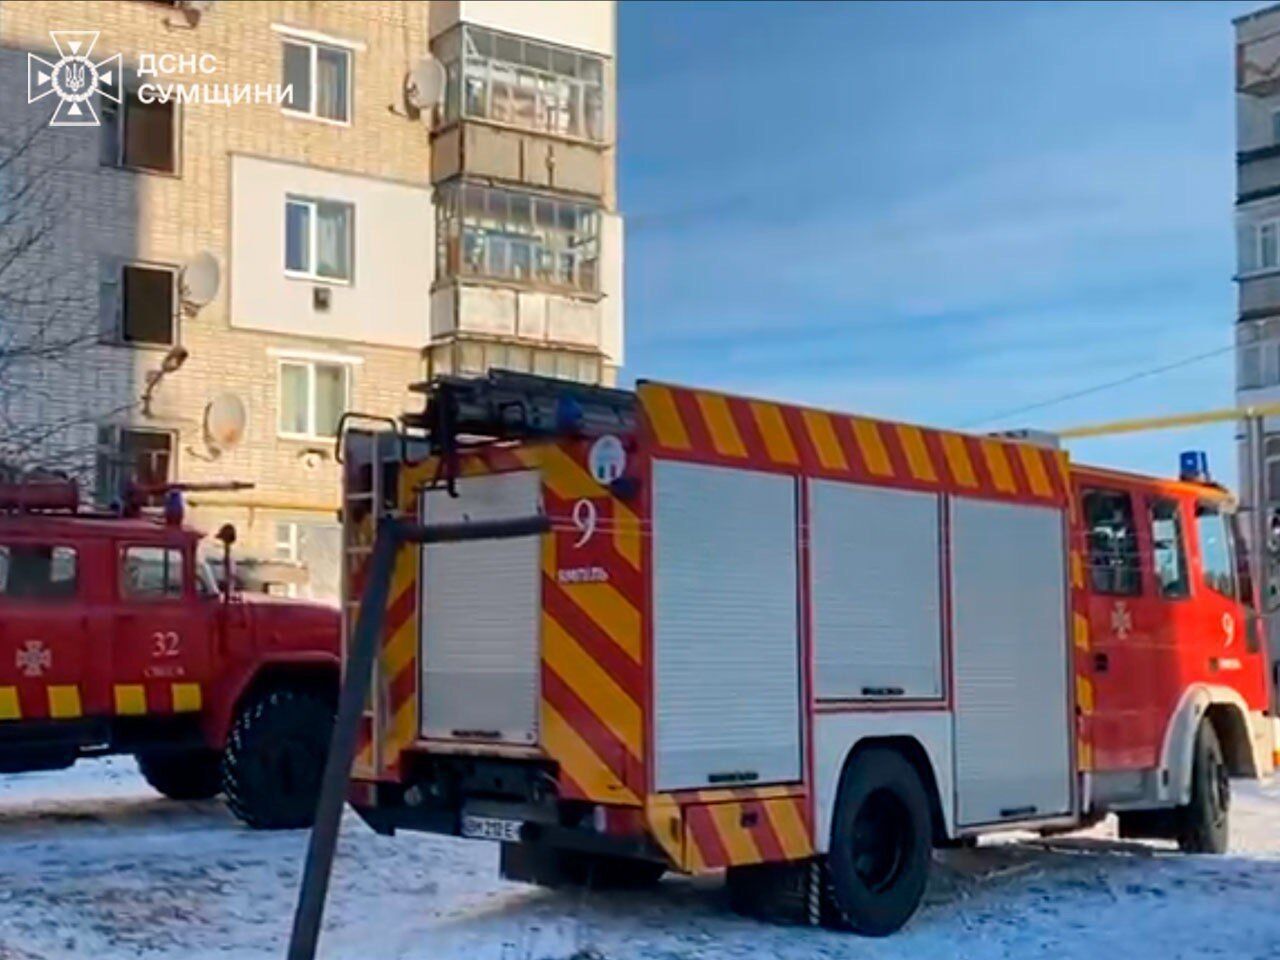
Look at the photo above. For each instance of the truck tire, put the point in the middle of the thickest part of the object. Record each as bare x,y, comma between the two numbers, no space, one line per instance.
880,844
274,759
1202,823
182,774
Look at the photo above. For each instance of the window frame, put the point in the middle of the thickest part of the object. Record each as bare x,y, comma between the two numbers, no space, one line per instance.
52,544
1260,265
108,487
1180,528
1136,566
310,365
118,332
184,585
313,59
467,210
311,275
114,118
467,66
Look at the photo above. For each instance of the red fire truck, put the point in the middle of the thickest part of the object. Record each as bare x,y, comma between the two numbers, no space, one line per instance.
115,637
799,646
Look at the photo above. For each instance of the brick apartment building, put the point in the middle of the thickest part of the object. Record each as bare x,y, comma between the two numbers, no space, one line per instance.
365,236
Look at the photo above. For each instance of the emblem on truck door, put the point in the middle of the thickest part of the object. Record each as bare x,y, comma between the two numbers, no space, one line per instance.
1121,621
34,658
607,459
1228,629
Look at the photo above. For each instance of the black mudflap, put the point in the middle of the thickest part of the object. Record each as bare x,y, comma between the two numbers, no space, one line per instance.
792,894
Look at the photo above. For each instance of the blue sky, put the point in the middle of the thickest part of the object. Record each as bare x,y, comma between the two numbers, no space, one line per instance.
935,212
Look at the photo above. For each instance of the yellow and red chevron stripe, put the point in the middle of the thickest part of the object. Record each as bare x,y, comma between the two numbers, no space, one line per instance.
709,830
591,632
63,701
712,427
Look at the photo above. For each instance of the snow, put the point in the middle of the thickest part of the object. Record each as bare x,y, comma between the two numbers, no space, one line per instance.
94,864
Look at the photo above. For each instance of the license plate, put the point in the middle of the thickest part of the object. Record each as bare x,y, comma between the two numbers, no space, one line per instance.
491,828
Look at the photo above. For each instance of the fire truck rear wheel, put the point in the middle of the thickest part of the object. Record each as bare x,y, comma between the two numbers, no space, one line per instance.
274,760
880,844
1202,823
184,774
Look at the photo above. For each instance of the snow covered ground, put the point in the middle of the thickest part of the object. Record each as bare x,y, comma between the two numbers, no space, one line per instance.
93,864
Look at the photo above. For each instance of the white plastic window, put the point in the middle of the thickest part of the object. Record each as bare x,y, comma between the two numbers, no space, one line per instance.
319,78
313,397
318,239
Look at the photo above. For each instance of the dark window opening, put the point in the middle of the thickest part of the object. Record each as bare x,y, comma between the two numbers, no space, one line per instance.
140,135
147,307
1114,562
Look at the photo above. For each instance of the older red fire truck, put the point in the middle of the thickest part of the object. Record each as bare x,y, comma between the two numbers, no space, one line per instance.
115,637
800,646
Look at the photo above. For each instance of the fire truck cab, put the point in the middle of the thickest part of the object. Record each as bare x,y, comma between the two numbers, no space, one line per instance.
116,637
797,646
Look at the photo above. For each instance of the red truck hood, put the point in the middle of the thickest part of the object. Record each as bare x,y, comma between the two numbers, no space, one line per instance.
288,624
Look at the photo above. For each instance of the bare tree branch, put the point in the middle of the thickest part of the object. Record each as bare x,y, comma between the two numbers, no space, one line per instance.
48,312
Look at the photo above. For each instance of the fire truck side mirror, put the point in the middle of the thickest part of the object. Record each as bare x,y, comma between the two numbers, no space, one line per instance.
226,535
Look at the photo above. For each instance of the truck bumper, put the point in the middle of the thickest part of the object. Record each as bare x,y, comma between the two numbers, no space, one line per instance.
444,790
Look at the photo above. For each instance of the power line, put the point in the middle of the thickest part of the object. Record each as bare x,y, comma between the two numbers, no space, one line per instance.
1098,388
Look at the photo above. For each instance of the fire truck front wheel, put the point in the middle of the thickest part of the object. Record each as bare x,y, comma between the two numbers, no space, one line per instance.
1202,823
880,843
274,759
182,775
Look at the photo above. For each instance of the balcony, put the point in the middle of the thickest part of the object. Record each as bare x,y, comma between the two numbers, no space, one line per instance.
1258,53
1259,295
521,315
523,111
1258,173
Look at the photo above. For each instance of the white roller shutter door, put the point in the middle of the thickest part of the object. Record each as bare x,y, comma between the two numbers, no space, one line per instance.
726,627
877,609
481,606
1012,736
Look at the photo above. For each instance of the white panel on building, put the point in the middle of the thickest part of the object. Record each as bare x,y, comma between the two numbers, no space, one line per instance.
726,627
1009,601
585,24
387,231
481,606
877,617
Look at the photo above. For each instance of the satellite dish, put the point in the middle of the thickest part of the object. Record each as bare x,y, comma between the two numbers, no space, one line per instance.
424,86
225,419
193,10
201,277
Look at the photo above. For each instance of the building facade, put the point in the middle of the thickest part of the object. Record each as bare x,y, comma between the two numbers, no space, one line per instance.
1257,208
375,192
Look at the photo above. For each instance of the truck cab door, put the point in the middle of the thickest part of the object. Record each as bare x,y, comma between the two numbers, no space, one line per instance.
1226,644
164,630
45,669
1122,621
